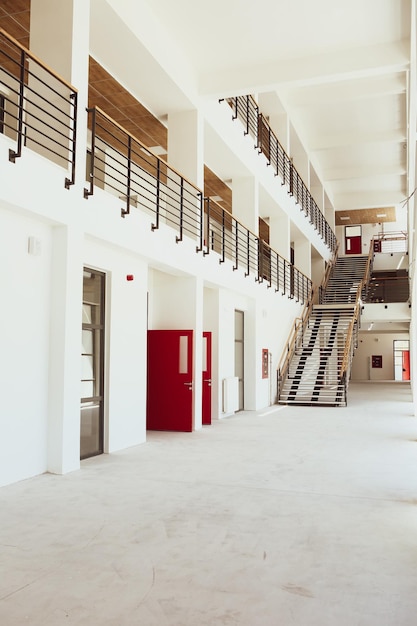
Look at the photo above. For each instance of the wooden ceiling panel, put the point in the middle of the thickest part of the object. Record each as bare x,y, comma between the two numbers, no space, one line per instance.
214,187
365,216
106,93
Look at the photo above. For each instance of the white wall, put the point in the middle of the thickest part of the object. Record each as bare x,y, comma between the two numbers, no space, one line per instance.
126,341
24,365
375,344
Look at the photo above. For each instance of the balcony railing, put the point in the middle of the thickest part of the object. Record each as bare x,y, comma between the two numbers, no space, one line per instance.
123,166
38,108
256,125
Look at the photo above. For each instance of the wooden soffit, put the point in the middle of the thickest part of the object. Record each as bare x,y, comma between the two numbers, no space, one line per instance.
365,216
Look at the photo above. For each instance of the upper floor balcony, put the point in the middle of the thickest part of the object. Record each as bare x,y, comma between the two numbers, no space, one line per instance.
38,112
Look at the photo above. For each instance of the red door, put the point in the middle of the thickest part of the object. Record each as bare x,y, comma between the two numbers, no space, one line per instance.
206,401
353,240
406,365
170,376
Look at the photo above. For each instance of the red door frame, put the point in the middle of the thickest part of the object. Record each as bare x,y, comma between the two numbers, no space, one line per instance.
170,380
206,388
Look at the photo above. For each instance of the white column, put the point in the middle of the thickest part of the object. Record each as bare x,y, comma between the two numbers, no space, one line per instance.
198,354
302,255
245,202
279,234
186,145
65,351
59,36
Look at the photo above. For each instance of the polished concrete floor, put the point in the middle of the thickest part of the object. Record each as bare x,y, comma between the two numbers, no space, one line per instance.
290,516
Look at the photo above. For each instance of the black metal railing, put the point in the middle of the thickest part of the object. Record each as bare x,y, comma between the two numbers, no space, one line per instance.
231,240
256,125
38,107
123,166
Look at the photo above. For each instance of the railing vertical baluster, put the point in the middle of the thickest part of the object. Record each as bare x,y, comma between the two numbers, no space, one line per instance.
236,265
207,203
90,191
71,181
14,154
201,224
277,260
155,226
178,239
259,277
126,211
247,254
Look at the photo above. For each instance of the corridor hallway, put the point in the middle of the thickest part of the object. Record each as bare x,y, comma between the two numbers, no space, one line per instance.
291,516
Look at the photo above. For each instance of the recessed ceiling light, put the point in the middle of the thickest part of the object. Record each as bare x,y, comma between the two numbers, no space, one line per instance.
381,215
216,198
345,218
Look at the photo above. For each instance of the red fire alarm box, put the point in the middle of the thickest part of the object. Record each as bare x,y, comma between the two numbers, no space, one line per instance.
265,368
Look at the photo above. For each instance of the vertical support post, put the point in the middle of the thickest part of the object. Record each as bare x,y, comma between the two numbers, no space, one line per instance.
74,102
90,191
201,222
178,239
126,211
236,265
155,226
13,155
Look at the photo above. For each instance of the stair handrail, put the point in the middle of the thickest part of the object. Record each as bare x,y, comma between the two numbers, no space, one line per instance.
363,285
327,273
297,329
368,267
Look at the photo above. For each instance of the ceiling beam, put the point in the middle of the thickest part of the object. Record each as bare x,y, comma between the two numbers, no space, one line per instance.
348,64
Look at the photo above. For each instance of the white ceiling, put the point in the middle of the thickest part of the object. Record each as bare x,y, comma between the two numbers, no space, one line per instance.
339,68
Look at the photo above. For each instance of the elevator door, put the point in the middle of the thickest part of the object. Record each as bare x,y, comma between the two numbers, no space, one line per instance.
92,365
170,380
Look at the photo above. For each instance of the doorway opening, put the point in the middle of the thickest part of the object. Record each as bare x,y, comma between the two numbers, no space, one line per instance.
239,355
353,239
92,365
401,359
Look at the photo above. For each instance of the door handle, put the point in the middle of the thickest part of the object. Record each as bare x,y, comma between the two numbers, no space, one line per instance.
190,385
207,380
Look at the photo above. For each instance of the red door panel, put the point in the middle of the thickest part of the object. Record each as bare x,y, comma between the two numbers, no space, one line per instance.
354,245
169,386
206,401
406,365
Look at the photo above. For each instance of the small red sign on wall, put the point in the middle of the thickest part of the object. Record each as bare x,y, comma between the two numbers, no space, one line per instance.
265,369
377,360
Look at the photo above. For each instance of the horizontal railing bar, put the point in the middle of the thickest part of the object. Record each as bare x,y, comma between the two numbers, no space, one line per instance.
37,60
126,132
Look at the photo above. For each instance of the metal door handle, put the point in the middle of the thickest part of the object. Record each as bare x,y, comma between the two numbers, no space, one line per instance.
207,380
190,385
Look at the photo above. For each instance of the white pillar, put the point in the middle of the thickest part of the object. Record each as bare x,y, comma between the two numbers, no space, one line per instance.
245,202
198,354
302,255
59,36
65,351
186,145
279,234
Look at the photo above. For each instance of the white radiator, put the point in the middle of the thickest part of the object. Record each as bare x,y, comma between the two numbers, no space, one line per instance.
230,394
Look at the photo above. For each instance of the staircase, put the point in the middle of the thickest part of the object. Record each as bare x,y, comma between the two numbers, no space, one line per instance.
311,374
